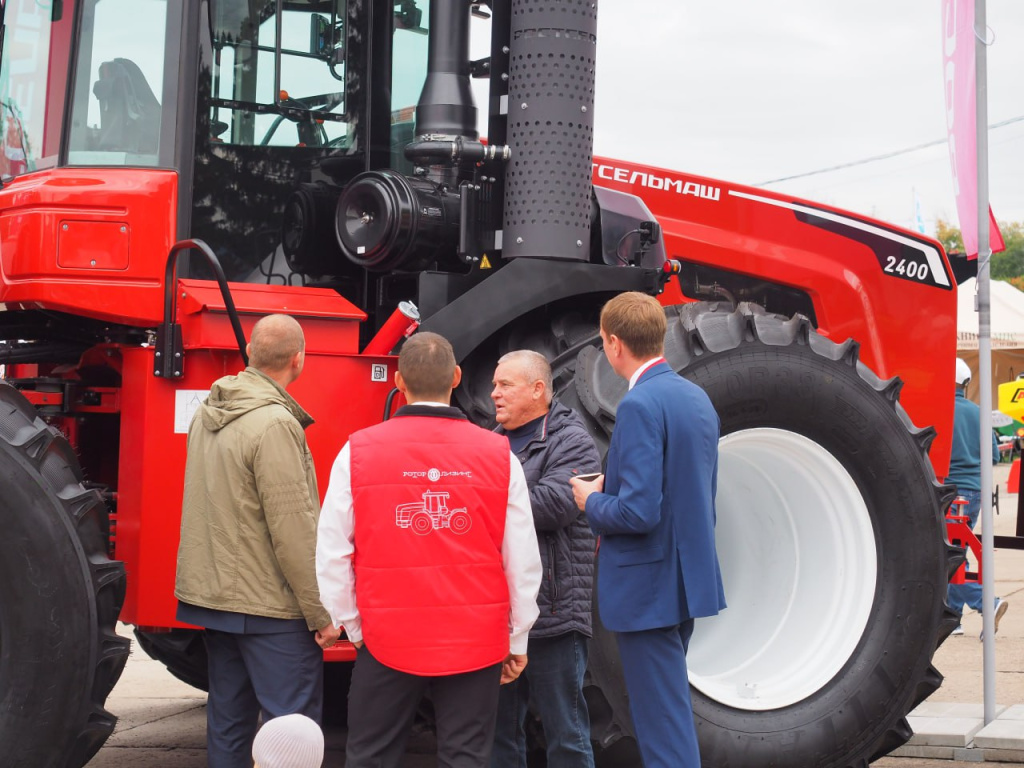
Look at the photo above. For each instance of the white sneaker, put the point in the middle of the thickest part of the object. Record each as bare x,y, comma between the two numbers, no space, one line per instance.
1001,606
958,630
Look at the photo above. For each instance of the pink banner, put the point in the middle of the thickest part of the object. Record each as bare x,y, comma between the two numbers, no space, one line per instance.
958,70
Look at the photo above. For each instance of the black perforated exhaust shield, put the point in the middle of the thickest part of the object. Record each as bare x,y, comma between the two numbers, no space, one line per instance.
552,58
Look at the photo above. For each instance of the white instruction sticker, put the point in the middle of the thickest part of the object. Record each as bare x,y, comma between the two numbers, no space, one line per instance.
378,372
186,403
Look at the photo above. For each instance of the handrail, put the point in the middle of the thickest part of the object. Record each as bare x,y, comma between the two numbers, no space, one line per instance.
169,346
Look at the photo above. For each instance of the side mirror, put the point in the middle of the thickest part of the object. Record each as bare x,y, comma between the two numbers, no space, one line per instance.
325,42
321,39
409,16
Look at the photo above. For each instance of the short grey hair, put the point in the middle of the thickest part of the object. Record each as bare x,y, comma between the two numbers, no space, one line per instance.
534,365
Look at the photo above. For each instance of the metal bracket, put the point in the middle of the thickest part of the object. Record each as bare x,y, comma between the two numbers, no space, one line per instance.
170,352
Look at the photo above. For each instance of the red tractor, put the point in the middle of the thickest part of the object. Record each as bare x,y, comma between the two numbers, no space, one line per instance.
175,169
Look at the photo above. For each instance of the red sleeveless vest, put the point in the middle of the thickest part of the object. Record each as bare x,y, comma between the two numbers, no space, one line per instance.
430,495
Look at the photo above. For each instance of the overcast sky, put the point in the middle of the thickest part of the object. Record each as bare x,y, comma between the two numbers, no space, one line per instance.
753,90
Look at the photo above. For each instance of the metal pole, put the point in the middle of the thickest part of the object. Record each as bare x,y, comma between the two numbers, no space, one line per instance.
985,361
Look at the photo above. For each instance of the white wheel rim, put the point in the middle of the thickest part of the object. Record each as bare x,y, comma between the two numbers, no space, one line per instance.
799,564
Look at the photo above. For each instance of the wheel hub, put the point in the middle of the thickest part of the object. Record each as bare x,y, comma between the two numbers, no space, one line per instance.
797,550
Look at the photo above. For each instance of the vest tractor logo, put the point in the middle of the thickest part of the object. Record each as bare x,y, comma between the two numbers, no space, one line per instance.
432,514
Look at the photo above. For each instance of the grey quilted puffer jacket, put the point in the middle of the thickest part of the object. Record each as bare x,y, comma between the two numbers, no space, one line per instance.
561,448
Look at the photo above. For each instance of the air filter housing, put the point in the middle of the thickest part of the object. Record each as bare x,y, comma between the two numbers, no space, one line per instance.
386,221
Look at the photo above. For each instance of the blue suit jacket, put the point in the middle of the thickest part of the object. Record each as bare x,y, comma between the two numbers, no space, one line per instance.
657,564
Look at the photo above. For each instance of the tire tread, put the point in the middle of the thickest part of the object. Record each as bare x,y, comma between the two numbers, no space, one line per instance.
48,451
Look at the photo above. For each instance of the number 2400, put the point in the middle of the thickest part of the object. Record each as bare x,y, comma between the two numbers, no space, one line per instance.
915,270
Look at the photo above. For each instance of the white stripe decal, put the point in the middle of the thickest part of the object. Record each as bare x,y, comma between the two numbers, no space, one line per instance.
932,255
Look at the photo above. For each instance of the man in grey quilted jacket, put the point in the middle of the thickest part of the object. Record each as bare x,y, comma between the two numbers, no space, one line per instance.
553,444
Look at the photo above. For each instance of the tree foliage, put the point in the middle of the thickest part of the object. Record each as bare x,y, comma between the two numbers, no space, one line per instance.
949,235
1007,264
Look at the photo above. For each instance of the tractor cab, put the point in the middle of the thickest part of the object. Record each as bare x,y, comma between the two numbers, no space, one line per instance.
247,101
435,502
272,74
319,143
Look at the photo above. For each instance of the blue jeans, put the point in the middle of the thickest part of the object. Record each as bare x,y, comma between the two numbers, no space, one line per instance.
969,593
552,684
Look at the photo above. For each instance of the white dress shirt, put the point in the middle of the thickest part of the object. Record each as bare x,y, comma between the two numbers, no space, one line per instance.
643,368
520,553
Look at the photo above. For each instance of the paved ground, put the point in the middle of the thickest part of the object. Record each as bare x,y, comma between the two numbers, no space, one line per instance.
162,721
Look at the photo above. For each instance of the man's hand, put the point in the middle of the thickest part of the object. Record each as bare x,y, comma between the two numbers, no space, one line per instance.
513,667
327,636
581,489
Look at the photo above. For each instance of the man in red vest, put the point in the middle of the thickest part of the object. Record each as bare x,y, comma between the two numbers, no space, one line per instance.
427,556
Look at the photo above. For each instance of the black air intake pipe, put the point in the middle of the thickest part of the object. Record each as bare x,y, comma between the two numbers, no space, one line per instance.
446,106
552,58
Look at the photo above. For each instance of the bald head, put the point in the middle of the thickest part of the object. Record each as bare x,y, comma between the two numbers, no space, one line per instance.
275,341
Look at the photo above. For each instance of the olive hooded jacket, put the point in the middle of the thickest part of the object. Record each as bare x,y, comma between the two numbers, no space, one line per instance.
250,509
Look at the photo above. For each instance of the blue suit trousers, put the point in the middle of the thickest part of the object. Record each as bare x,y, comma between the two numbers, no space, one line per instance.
275,674
654,664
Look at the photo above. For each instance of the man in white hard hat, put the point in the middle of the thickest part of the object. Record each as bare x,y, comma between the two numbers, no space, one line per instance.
965,471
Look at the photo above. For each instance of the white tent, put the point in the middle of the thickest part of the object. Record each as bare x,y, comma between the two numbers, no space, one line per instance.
1007,334
1007,316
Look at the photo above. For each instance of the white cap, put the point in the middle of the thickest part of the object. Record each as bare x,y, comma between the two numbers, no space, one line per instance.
289,741
963,372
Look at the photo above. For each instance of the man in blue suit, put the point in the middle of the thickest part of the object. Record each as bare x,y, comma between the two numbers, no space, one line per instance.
654,511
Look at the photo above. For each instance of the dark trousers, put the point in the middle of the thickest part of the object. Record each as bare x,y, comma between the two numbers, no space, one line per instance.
277,674
382,703
654,663
552,685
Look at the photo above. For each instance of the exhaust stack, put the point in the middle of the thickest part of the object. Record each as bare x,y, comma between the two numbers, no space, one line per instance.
552,57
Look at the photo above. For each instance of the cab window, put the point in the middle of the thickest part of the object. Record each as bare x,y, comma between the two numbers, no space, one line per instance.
409,70
122,111
279,79
33,83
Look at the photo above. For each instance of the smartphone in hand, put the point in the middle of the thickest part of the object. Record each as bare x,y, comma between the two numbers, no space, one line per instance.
589,477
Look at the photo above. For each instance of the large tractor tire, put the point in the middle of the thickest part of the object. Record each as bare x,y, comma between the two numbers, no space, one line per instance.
182,651
60,596
830,535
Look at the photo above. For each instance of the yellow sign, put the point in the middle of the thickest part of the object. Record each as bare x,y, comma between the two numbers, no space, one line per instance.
1011,399
484,262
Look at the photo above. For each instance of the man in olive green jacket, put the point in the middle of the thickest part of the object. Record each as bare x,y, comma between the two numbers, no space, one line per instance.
246,568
